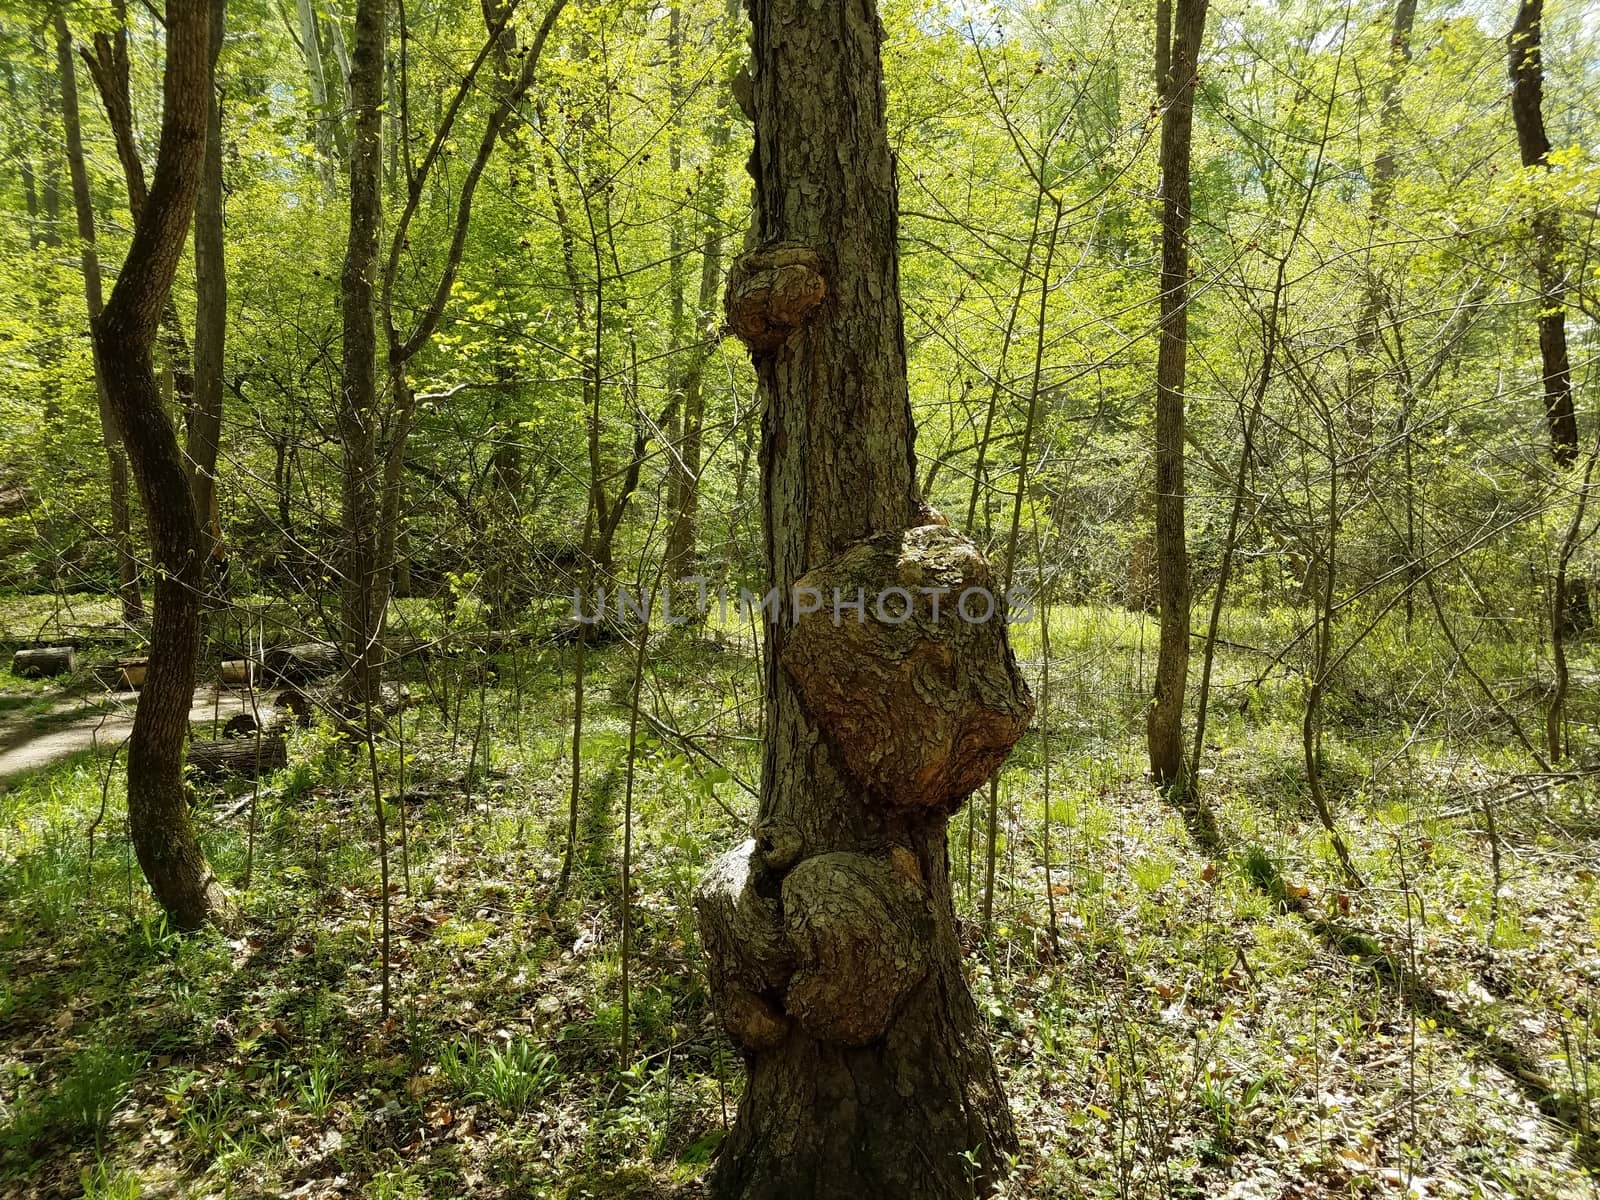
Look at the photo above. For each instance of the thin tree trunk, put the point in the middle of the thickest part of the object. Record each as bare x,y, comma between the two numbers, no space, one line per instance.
116,462
1560,601
327,125
831,934
1527,112
1178,52
109,65
358,401
24,157
1524,46
210,324
684,501
163,835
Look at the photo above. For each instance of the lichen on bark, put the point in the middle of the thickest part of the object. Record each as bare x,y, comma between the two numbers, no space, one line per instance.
904,662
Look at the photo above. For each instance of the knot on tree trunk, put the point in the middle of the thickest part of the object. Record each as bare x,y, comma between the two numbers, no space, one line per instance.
749,960
837,945
899,652
859,928
772,292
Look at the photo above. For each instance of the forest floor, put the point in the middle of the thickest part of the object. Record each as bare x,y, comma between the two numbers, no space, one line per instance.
1183,1016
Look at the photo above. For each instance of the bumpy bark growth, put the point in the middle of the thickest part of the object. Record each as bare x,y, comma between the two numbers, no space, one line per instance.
831,935
917,685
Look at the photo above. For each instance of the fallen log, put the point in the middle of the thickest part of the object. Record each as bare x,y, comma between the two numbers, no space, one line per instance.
238,672
42,662
303,662
269,719
121,675
239,756
593,633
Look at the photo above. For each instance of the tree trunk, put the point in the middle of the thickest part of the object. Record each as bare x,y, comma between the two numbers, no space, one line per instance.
1177,58
831,934
1383,175
210,323
1527,111
1524,49
158,810
365,576
110,67
116,463
327,126
684,489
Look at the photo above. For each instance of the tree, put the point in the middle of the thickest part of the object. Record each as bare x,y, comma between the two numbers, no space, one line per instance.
1524,49
211,321
83,205
1177,72
831,935
687,386
374,437
364,578
158,807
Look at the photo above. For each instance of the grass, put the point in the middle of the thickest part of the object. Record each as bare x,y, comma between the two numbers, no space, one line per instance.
1178,1034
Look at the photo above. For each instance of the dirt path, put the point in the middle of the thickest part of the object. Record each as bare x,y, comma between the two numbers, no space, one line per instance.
99,722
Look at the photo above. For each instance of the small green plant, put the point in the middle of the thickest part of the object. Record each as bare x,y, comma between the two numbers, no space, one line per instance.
80,1105
102,1182
317,1087
208,1120
508,1076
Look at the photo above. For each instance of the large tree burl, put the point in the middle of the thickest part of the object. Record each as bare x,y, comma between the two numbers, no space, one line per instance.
749,959
859,929
919,689
772,292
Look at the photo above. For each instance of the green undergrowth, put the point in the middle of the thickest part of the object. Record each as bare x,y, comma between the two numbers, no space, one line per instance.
1167,1021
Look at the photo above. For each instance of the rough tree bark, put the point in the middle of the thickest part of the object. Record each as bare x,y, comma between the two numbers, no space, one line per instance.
830,934
1177,55
361,612
116,461
158,809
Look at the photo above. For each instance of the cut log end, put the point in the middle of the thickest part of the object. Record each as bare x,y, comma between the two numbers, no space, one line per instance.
42,663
